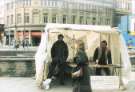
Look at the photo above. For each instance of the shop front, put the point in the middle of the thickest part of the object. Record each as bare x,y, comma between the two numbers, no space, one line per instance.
9,37
32,37
36,37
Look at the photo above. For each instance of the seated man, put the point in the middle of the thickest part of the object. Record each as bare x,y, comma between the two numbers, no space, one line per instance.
102,56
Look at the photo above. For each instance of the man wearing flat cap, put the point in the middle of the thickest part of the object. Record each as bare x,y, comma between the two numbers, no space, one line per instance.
59,54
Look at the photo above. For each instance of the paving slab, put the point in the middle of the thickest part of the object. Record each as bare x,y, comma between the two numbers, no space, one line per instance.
19,84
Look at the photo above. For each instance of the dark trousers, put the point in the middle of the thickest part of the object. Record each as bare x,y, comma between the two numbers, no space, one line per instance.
57,69
99,71
82,88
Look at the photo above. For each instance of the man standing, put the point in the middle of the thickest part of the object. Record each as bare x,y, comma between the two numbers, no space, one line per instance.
59,54
102,56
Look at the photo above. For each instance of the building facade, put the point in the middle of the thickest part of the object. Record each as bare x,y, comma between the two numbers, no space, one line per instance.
26,19
133,18
121,8
1,33
1,14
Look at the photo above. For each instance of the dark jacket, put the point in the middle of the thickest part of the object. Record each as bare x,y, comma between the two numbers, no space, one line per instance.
59,51
105,57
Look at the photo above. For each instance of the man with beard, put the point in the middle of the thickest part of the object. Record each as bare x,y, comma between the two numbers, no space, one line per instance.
102,56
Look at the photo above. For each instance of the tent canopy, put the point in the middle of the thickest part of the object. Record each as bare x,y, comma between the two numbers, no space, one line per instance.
90,35
95,28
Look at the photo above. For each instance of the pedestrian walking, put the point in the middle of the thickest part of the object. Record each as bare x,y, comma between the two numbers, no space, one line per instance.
82,75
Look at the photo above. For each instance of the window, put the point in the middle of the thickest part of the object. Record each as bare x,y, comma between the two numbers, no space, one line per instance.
108,12
64,20
12,19
100,21
26,18
73,19
55,3
45,18
93,20
107,21
49,3
81,19
54,19
19,18
7,19
87,20
27,2
70,5
44,2
74,5
12,5
36,18
129,6
65,5
19,2
7,6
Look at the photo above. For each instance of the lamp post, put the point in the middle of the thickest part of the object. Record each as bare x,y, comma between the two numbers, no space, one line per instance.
15,23
23,36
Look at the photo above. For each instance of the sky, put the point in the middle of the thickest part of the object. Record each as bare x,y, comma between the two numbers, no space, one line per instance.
1,2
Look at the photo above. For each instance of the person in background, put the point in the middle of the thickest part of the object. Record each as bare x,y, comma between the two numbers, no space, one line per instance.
102,56
23,43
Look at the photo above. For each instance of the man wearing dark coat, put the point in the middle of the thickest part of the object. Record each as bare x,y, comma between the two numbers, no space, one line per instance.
59,54
102,56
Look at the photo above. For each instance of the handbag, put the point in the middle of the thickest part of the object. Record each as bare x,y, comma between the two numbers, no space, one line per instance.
78,73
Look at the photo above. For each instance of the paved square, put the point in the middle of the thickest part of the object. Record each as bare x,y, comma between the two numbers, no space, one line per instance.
17,84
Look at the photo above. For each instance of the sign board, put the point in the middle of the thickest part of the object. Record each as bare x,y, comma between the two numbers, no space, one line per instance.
105,82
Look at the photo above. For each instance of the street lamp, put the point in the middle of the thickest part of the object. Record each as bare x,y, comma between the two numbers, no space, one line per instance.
15,23
23,38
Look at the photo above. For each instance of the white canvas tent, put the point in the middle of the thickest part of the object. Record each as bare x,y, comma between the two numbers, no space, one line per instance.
91,35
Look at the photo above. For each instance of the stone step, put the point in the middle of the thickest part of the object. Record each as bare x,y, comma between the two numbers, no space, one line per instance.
17,53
